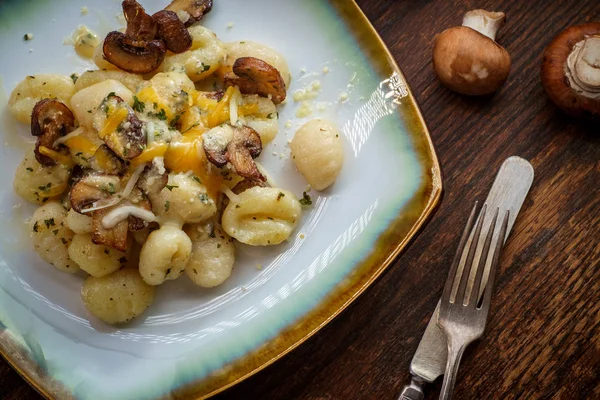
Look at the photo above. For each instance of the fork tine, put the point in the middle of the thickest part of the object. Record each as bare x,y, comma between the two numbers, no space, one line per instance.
489,288
461,248
474,296
460,294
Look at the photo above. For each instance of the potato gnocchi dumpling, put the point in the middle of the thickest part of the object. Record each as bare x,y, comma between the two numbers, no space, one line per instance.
184,200
95,259
85,102
318,153
164,255
213,255
38,184
131,81
78,223
118,297
266,121
101,62
262,216
204,58
35,88
249,48
51,237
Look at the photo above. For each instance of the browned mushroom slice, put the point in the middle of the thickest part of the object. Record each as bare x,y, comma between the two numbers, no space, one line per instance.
173,31
240,151
255,76
93,189
151,181
115,237
50,119
132,55
247,184
140,26
107,161
128,139
196,9
139,199
216,95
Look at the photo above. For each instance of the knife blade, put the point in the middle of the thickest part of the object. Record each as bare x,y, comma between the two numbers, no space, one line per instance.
508,191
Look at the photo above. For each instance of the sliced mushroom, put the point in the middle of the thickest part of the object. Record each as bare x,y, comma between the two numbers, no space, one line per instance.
132,55
152,181
128,140
196,9
172,31
140,26
247,184
88,191
216,95
107,161
240,151
255,76
115,237
138,199
50,119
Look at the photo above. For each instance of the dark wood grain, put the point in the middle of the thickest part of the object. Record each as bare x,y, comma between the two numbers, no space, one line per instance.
543,338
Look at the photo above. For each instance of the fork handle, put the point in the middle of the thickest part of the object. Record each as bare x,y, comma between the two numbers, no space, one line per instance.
413,391
455,352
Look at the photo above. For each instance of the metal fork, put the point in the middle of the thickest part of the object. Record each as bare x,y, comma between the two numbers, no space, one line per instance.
462,318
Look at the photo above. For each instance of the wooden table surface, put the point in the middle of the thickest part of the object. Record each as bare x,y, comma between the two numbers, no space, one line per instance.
543,337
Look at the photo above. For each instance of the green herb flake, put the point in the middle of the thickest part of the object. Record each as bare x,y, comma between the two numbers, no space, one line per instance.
204,198
305,200
138,105
74,77
49,222
162,115
194,177
36,227
167,205
218,245
55,232
64,241
171,187
280,195
29,169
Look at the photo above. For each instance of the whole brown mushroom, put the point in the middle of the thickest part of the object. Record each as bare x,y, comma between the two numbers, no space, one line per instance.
571,70
467,58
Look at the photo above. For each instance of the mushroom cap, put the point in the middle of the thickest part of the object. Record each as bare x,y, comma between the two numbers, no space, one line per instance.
554,64
470,63
174,33
196,9
131,55
50,119
255,76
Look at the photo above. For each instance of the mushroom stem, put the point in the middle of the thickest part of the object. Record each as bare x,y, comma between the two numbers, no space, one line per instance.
583,67
485,22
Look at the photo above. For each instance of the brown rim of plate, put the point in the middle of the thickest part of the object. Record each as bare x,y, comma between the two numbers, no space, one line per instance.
389,245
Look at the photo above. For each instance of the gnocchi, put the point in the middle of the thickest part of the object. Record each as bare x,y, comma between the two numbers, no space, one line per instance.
97,260
212,257
164,255
318,153
151,170
262,216
35,88
117,298
51,236
38,184
204,58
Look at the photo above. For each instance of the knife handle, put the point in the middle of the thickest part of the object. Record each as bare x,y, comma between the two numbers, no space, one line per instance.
413,391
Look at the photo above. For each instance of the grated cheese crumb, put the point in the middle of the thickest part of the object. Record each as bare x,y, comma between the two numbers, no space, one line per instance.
259,266
229,25
84,10
326,70
344,97
288,124
302,236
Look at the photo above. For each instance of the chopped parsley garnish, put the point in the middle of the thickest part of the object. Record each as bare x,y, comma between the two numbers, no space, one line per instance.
204,67
306,200
74,77
280,195
64,241
29,169
45,187
49,222
175,121
171,187
138,105
162,115
273,115
35,226
111,94
167,205
204,198
194,177
218,245
55,232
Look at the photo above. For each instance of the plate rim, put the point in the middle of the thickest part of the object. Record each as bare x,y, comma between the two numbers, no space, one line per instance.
382,59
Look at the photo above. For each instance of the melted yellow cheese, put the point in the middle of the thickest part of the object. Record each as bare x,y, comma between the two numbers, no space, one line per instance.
113,122
219,112
82,144
149,95
149,153
56,156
